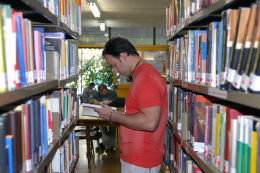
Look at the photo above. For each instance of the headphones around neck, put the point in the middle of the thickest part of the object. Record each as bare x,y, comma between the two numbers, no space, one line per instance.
130,78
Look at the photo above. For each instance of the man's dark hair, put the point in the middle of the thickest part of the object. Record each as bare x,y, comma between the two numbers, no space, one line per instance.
92,84
117,45
102,86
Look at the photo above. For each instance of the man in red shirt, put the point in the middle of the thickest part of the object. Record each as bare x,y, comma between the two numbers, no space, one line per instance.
143,122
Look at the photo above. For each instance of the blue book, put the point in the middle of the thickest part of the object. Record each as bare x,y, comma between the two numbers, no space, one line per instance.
191,57
56,6
8,145
2,144
32,131
219,58
19,41
36,128
42,130
45,131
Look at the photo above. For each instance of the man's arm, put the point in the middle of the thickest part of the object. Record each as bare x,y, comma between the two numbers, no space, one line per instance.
147,119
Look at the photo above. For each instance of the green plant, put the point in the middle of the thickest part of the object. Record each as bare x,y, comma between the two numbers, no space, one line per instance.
94,69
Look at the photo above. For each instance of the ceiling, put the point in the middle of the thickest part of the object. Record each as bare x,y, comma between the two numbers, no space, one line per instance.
127,13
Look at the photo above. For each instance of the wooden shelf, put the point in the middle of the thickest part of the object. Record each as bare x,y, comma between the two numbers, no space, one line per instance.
68,80
46,160
203,162
74,163
67,130
38,7
25,92
246,99
67,30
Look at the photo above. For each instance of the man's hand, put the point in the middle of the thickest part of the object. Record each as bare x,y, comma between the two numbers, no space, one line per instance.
104,112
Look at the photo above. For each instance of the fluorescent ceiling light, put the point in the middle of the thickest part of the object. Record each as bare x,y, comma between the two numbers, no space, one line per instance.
102,25
94,8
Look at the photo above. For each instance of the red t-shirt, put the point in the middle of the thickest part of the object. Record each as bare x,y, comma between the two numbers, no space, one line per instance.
144,148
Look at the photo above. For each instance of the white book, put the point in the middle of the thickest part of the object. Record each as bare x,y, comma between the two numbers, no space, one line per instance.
88,109
56,161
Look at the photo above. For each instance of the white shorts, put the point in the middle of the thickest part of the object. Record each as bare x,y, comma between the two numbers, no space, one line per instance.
129,168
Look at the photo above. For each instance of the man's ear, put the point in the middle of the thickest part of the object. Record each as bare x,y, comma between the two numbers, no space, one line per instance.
123,56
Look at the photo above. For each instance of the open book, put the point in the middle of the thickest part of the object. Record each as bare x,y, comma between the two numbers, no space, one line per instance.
89,111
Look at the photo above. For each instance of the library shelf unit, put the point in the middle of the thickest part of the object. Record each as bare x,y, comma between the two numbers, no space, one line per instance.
252,101
41,16
201,18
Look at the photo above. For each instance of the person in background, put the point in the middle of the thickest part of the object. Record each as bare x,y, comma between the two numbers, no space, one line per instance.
143,122
86,96
105,96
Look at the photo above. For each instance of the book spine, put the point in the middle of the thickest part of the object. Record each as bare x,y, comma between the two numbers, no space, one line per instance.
235,58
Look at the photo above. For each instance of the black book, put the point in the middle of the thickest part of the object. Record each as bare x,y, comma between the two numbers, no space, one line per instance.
248,40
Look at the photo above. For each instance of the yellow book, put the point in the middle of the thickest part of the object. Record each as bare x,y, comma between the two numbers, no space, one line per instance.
3,86
253,150
217,137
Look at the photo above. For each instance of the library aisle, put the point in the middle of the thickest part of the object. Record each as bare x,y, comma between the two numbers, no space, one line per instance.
105,161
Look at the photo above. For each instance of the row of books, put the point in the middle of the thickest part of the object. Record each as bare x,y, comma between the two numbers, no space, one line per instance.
176,157
181,10
68,11
226,55
29,129
227,133
27,53
65,155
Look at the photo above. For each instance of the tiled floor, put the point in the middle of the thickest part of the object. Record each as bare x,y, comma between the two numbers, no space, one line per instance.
106,162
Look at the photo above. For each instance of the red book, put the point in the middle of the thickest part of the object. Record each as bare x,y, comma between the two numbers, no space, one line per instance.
199,121
231,114
27,134
16,67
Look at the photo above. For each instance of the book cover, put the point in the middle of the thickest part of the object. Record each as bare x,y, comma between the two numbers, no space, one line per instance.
213,61
253,156
246,49
9,46
23,41
219,52
252,54
3,79
258,147
224,43
199,122
2,143
235,58
9,146
232,18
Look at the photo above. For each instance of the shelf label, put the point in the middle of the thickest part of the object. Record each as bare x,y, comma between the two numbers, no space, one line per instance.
217,93
185,84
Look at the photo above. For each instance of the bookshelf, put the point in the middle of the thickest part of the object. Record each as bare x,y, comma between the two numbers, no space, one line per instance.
25,92
39,8
38,15
54,146
203,17
246,99
230,99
